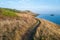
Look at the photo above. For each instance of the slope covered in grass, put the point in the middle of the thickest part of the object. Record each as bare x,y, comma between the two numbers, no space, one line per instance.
27,27
7,12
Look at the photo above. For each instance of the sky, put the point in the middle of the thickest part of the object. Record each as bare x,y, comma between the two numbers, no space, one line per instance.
33,5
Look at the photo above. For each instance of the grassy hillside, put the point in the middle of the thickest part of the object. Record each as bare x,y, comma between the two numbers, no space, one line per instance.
7,12
15,29
12,12
27,27
47,31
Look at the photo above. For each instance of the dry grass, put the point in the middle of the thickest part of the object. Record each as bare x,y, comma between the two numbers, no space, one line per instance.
47,31
13,29
20,28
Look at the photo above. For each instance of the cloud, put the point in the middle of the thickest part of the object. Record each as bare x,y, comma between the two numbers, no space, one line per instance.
28,5
1,3
25,0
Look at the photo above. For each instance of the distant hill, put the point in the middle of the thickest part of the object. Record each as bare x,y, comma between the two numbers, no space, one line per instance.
12,12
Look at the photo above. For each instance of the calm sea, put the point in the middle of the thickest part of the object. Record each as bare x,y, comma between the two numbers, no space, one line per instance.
55,18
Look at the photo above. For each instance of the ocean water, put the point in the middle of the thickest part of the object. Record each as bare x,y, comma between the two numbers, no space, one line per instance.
54,19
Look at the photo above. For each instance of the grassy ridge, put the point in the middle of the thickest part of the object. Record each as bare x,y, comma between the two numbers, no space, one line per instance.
14,10
11,12
8,12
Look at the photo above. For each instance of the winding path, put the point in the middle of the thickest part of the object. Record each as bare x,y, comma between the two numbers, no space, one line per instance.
29,35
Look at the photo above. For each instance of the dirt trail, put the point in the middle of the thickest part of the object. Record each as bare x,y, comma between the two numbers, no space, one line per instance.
47,31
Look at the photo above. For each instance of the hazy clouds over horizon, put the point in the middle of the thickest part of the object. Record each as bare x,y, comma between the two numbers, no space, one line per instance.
39,5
